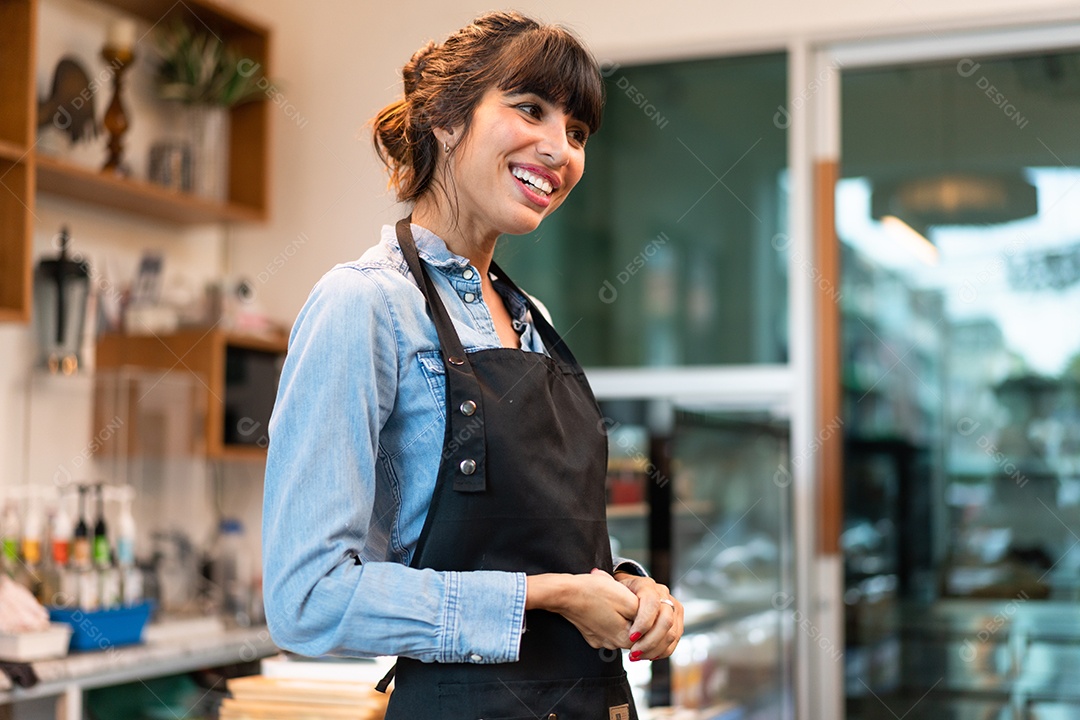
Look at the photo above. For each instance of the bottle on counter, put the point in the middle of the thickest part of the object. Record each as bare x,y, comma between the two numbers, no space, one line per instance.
9,538
100,547
31,545
109,588
60,536
58,586
88,589
129,574
67,579
80,547
125,531
131,585
131,577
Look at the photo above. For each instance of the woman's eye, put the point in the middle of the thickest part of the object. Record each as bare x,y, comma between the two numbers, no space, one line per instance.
530,109
579,136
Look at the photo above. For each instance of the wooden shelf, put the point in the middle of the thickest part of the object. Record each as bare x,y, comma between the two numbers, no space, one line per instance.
11,315
140,198
18,102
16,211
215,16
241,453
12,151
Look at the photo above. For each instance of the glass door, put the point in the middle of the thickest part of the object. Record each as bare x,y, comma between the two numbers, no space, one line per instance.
958,214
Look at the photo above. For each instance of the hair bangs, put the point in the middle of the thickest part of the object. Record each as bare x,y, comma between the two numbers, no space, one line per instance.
551,63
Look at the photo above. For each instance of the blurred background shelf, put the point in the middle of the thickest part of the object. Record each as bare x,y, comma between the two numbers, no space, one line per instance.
59,178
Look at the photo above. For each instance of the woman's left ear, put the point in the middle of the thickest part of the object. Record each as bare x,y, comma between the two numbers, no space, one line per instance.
446,138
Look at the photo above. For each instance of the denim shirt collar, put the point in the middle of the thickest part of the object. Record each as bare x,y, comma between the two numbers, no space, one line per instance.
429,246
432,249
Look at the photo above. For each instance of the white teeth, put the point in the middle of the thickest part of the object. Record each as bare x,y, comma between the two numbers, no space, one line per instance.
539,183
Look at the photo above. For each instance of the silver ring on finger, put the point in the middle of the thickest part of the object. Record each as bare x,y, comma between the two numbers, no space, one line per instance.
668,601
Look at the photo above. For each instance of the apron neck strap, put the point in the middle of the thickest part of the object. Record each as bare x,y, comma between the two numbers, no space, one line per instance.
449,341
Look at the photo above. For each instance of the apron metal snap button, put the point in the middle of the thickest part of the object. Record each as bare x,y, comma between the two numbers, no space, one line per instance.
455,360
468,467
468,407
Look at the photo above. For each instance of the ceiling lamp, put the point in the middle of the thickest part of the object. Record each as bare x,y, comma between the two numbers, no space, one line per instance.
956,199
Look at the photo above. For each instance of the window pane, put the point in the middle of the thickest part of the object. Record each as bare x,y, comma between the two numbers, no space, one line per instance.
672,250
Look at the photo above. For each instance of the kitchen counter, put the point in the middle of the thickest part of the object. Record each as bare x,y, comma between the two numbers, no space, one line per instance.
167,650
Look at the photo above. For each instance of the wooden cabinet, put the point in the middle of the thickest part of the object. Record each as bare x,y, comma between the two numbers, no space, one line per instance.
18,27
24,172
219,359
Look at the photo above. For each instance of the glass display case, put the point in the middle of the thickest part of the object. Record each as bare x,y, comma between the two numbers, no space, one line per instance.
701,495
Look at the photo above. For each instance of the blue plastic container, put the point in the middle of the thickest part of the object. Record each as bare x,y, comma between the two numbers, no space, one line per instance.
103,629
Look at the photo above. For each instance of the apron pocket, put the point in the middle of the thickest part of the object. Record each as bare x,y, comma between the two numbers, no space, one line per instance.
569,699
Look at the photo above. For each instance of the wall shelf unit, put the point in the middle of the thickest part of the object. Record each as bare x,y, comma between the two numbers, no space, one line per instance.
24,172
210,354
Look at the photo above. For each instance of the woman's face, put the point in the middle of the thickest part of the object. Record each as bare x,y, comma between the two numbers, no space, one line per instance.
520,160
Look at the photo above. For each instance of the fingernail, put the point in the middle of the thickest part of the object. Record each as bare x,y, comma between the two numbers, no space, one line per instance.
635,656
635,637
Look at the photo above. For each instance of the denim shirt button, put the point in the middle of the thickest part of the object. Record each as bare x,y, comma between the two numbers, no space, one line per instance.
468,274
469,297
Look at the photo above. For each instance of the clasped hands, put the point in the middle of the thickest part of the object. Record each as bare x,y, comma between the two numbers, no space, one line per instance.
625,611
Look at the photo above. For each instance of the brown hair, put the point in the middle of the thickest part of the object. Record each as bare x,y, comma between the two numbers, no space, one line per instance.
444,83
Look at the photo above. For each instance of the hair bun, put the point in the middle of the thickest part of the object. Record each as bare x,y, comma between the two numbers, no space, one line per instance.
414,69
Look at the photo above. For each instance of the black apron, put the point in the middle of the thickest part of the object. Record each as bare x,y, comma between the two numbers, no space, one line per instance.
520,489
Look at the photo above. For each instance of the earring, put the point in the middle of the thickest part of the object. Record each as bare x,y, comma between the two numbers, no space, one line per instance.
446,147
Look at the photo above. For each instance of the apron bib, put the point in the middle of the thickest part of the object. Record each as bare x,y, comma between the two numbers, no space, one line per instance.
520,489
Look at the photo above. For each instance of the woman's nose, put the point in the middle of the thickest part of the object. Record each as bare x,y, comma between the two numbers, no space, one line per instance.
553,143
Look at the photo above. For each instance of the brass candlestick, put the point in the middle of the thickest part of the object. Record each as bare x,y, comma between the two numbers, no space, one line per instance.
116,121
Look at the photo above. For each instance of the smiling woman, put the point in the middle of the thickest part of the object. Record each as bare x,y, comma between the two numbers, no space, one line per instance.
435,483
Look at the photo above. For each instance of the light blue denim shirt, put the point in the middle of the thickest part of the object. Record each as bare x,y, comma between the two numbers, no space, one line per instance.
355,442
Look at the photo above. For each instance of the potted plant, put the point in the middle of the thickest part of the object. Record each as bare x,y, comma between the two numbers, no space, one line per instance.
206,77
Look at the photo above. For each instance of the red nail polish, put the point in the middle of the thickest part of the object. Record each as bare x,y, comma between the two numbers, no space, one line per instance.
635,637
635,656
